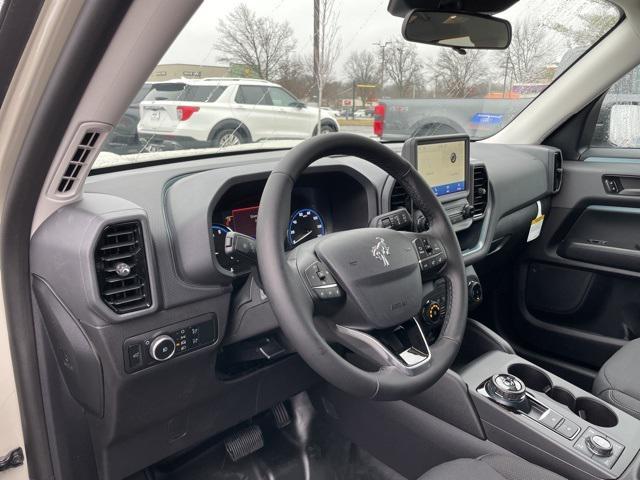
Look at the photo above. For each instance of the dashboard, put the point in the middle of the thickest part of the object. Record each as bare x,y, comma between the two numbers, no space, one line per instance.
137,293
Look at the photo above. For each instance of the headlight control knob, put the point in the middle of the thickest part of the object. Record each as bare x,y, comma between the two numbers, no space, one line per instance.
162,348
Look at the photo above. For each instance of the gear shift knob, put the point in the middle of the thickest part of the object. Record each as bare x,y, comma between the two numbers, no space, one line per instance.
509,391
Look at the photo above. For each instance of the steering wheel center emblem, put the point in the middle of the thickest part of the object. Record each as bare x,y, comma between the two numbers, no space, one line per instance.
380,251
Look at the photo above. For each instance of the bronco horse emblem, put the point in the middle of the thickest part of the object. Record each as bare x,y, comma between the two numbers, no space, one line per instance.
380,251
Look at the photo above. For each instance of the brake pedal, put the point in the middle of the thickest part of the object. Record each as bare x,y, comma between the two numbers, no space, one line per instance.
281,415
244,442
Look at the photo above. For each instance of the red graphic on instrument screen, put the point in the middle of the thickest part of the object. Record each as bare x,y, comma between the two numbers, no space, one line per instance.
243,220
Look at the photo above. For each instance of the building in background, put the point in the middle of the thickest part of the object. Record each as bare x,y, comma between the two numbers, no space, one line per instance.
171,71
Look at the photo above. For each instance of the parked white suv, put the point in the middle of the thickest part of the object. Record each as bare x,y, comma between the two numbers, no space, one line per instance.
225,111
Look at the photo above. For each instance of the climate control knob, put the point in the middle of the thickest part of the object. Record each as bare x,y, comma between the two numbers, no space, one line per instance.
162,348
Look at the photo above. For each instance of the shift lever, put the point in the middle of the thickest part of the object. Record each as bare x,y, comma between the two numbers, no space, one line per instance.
509,391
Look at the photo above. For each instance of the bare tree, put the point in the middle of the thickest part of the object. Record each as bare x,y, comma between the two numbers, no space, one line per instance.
404,67
261,43
362,68
459,75
530,52
329,43
584,24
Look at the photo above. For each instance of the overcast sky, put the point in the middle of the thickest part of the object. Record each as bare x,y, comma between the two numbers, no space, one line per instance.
362,23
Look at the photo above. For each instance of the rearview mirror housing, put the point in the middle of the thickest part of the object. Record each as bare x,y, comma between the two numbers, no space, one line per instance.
457,30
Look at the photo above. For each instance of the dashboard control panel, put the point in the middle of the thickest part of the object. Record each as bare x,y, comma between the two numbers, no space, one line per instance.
151,348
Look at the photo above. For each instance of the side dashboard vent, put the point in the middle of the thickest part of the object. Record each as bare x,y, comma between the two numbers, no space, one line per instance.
399,198
121,267
480,190
558,171
78,161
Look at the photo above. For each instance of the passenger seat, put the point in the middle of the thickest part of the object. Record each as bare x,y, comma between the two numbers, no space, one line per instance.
618,381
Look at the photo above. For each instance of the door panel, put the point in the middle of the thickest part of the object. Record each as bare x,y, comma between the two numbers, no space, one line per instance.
578,295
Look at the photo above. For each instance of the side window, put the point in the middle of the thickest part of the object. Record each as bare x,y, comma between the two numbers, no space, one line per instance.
203,93
282,98
618,124
253,95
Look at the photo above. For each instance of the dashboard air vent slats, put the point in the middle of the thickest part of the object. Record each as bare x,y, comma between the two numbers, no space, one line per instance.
480,190
121,267
399,198
78,161
557,171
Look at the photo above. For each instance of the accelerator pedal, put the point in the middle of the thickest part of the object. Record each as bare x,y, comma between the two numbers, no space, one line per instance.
281,415
244,442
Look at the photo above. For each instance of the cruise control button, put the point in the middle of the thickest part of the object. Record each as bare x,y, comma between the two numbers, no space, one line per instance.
567,429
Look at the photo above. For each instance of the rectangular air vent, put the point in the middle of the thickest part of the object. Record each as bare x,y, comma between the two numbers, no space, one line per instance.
78,161
399,198
121,267
480,190
557,171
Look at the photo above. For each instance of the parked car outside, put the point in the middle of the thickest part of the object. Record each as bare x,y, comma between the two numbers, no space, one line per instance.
220,112
125,134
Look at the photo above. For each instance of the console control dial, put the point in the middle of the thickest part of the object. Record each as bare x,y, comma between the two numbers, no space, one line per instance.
599,445
162,348
508,390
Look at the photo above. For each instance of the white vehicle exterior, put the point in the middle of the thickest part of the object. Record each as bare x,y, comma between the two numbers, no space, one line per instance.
226,111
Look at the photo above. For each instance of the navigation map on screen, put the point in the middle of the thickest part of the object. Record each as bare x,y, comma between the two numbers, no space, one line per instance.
443,165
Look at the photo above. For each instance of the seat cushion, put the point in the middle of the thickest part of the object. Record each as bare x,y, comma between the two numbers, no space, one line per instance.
618,381
490,467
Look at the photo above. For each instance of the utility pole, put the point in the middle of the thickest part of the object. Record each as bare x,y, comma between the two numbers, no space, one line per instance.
383,65
316,41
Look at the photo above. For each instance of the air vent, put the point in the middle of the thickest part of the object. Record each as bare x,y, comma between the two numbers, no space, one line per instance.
399,198
557,171
78,161
480,190
121,266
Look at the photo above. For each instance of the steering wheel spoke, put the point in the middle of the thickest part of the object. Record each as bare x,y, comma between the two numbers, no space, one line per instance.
403,348
432,256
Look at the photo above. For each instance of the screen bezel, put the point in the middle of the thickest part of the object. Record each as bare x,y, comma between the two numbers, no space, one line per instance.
410,153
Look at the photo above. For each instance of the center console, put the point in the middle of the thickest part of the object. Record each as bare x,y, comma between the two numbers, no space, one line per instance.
534,413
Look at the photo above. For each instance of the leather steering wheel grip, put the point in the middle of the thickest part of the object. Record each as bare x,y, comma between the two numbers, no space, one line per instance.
291,302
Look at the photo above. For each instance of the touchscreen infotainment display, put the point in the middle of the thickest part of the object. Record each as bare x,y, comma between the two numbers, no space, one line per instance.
443,165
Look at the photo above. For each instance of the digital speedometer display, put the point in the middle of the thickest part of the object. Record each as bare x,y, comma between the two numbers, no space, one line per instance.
304,225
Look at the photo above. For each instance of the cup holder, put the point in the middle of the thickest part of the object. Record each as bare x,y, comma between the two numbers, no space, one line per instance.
595,412
533,378
590,410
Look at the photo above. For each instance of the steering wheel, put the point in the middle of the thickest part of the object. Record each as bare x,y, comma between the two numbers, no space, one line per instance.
361,290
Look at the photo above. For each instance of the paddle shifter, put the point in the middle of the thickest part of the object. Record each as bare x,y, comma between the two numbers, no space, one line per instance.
509,391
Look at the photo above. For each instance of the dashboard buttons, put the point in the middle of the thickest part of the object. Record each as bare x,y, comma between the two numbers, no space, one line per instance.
134,353
162,348
150,348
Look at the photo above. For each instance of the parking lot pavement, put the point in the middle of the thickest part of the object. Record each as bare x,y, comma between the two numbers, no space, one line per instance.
365,130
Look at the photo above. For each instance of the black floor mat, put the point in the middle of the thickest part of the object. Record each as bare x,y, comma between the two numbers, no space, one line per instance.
307,449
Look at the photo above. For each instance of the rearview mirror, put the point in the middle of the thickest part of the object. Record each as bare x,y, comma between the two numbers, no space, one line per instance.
457,30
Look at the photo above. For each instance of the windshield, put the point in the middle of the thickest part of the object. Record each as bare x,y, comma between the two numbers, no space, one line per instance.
252,75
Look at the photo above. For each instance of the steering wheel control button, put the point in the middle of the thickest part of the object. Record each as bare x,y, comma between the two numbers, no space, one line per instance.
567,429
430,254
162,348
599,445
551,419
509,391
322,283
396,220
